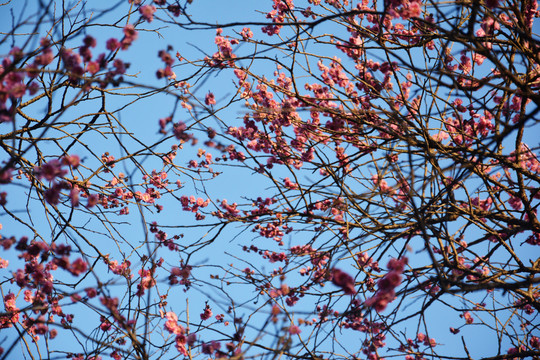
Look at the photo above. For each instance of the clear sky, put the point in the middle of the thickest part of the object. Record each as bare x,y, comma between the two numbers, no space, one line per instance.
235,184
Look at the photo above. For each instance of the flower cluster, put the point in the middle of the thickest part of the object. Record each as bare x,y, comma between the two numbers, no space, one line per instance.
182,339
386,286
224,56
344,281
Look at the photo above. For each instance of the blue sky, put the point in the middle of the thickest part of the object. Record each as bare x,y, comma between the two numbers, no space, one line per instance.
235,183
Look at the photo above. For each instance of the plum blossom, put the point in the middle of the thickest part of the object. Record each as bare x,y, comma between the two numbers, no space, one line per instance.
207,313
78,267
171,325
50,170
294,330
344,281
246,33
468,318
210,99
130,35
147,12
385,293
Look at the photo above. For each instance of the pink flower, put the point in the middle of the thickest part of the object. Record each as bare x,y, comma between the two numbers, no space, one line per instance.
78,267
344,281
147,12
92,200
468,318
91,292
12,312
50,170
210,99
290,184
52,195
130,35
89,41
211,347
92,67
381,300
113,44
74,196
390,281
294,330
246,33
515,203
172,326
397,265
180,344
105,324
5,176
492,3
207,313
387,284
535,342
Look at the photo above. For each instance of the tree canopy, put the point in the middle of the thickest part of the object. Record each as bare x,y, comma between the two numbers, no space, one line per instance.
275,179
